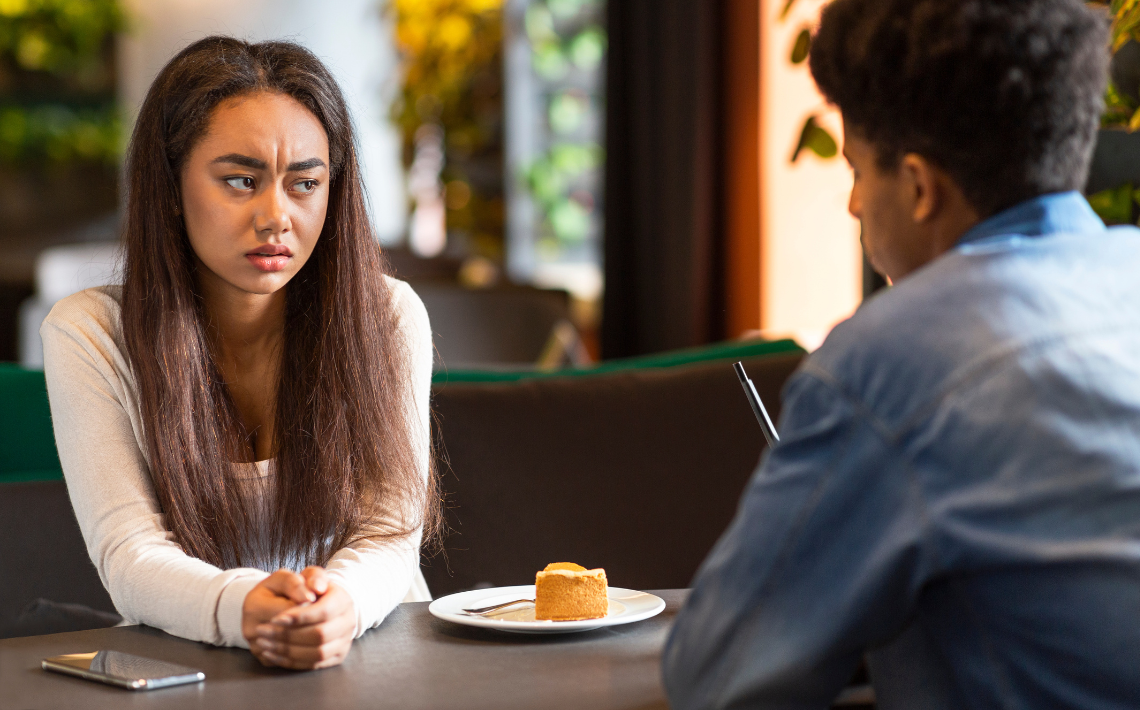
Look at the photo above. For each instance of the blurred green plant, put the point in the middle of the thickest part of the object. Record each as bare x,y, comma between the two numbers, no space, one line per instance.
57,80
451,58
813,136
1122,103
1115,206
555,52
60,133
567,111
568,45
1122,107
1125,20
61,37
817,139
558,182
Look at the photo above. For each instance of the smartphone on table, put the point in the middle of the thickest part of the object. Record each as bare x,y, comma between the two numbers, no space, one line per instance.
124,670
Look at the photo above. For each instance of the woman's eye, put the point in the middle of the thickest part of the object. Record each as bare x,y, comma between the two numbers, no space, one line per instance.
240,183
306,186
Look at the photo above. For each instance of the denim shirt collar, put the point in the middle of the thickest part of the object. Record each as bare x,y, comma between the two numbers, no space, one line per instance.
1060,212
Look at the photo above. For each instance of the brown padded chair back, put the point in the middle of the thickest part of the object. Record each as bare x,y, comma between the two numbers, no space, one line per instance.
484,327
42,554
636,471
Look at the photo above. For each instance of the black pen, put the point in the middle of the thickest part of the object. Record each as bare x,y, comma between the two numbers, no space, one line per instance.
757,406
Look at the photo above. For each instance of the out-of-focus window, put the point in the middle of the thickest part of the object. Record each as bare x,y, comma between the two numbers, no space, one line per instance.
554,67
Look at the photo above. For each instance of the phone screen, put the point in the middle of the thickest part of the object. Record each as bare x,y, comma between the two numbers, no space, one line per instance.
123,669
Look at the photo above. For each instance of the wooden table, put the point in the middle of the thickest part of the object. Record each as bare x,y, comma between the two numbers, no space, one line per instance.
412,660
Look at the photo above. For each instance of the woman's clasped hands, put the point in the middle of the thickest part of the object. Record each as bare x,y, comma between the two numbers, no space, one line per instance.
299,621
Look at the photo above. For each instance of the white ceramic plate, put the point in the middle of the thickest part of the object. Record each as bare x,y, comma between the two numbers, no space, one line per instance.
626,606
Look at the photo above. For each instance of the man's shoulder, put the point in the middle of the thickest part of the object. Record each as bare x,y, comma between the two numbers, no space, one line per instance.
978,305
888,355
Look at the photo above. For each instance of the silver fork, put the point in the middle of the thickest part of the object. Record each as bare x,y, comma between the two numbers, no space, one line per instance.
488,609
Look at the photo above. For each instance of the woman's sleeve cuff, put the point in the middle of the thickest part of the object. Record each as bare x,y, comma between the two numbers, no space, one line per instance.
230,607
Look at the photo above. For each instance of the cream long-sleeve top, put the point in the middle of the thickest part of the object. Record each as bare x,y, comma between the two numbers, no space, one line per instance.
151,580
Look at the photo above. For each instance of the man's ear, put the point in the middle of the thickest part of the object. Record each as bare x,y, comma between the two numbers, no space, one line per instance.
921,180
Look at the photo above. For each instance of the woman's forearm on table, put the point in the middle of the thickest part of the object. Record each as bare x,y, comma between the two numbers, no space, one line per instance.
148,576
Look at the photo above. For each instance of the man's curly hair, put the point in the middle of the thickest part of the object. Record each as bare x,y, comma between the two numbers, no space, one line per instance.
1005,95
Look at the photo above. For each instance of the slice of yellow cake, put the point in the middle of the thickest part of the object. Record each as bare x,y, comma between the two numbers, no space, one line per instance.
565,591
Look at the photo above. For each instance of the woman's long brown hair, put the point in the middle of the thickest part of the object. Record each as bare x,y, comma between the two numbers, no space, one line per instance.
346,428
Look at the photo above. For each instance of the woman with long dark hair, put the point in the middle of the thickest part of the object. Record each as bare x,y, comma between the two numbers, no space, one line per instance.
254,397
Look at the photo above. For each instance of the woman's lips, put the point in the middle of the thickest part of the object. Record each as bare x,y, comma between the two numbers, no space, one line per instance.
270,257
268,262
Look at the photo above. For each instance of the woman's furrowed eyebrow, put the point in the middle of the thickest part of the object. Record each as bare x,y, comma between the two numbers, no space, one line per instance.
254,164
306,164
243,160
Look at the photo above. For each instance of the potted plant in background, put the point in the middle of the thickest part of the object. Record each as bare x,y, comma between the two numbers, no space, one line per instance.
450,113
1115,175
59,122
59,133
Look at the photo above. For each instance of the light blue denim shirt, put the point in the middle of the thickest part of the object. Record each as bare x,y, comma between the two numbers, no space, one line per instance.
956,492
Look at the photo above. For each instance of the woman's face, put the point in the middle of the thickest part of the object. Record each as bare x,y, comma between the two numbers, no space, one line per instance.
255,192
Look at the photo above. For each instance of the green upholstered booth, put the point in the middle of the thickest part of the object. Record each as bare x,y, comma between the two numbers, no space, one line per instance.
720,352
27,445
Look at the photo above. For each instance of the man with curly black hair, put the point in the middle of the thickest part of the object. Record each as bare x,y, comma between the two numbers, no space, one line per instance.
956,495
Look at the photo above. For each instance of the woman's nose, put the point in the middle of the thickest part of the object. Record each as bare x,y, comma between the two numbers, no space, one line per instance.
272,213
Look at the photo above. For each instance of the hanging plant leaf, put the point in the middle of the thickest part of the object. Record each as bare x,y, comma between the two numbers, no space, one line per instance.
787,9
1125,22
815,138
802,47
